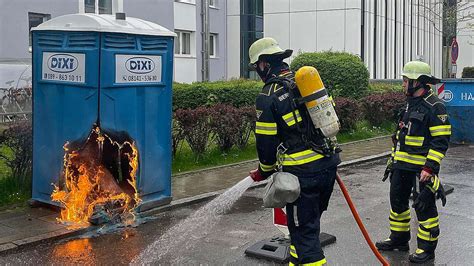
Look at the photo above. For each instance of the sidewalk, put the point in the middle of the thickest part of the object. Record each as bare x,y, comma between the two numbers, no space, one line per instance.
30,225
218,178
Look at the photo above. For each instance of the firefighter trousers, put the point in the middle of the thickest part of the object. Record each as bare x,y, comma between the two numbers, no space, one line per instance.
304,217
401,185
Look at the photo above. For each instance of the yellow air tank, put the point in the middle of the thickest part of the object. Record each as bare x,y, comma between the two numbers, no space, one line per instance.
320,107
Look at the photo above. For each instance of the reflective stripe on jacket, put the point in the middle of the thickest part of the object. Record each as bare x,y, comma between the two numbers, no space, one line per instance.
277,122
423,134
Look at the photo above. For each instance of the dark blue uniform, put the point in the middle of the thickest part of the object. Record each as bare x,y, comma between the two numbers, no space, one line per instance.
421,142
278,124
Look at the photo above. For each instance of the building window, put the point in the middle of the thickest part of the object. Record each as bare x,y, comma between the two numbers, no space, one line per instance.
182,43
213,45
251,29
34,19
186,1
103,6
177,43
212,3
89,6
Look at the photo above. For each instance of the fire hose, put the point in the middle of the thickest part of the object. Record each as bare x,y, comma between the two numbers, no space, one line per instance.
359,221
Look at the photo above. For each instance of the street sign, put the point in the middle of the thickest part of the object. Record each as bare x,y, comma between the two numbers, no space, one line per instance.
454,51
454,70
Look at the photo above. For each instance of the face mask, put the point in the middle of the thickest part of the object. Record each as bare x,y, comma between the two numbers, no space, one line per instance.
411,89
262,73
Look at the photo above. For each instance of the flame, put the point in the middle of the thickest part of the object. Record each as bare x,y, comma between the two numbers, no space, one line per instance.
78,251
133,162
88,184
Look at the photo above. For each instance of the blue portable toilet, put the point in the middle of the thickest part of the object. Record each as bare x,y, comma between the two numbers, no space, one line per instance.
458,97
114,72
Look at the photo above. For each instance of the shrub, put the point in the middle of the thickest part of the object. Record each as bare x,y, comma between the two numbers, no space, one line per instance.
381,87
382,107
343,74
468,72
196,127
237,92
18,139
177,135
246,126
228,125
225,122
348,113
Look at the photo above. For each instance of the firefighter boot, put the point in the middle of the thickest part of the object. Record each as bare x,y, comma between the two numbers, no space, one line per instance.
421,256
389,244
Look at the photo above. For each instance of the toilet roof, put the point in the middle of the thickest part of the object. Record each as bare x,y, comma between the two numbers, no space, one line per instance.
103,23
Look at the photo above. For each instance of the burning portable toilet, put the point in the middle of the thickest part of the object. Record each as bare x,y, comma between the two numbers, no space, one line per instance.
102,112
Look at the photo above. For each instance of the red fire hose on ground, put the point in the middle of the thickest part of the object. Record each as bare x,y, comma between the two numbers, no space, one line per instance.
359,222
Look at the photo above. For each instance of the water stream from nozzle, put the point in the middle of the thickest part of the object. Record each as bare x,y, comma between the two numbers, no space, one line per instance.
185,234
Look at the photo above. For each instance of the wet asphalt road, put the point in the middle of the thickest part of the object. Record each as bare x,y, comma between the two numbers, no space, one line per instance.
248,222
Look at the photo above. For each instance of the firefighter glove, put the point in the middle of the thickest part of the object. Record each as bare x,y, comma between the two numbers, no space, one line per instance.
437,188
421,201
388,169
256,175
441,194
433,186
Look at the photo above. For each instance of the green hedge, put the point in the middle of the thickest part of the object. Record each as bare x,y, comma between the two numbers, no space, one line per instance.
468,72
380,87
343,74
237,92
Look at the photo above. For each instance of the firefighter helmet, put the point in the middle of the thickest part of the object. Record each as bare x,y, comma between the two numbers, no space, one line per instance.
418,70
267,47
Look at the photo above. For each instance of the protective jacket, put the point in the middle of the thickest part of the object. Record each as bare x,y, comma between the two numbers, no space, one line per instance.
422,137
280,123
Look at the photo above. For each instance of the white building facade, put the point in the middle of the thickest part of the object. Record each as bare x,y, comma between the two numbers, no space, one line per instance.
189,45
465,39
182,16
384,33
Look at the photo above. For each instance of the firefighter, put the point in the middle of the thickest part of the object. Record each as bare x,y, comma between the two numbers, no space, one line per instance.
420,143
283,128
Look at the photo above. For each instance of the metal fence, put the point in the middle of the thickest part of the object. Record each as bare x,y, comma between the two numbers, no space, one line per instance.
15,91
6,118
15,104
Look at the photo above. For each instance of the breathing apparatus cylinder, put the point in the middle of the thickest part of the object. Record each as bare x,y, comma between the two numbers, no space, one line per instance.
320,105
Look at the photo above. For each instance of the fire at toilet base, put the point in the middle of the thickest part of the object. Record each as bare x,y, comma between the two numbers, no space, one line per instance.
98,182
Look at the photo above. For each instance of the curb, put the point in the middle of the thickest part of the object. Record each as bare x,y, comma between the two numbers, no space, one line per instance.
365,140
365,159
43,238
207,196
175,204
64,233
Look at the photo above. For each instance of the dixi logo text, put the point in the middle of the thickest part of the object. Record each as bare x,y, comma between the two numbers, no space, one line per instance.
140,65
63,63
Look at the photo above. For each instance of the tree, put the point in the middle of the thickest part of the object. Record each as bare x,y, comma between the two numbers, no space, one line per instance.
456,17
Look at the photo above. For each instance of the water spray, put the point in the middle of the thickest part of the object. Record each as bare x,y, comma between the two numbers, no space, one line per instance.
187,233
